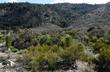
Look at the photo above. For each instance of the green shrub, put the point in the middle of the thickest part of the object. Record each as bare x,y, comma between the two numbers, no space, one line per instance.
103,61
8,40
89,70
47,55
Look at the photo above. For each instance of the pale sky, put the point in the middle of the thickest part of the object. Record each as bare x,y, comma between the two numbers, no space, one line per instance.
59,1
82,1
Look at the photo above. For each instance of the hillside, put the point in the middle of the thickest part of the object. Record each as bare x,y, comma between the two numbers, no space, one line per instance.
26,15
60,37
97,17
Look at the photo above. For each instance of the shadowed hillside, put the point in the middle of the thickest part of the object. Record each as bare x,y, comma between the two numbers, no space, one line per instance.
26,15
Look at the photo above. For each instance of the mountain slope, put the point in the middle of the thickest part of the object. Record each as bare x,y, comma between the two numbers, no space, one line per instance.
26,15
97,17
21,15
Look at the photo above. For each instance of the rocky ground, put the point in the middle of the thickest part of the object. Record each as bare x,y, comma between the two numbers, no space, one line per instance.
8,63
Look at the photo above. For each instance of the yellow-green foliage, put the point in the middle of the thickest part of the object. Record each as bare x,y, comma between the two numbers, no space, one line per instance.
50,54
8,40
105,53
66,40
45,50
40,54
100,43
104,60
2,38
2,70
89,70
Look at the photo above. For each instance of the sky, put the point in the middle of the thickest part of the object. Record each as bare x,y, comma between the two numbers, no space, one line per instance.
59,1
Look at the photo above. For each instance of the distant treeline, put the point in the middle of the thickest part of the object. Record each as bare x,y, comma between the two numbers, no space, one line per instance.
26,15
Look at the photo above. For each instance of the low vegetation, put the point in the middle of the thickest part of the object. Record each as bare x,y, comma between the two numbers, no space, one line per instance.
61,50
